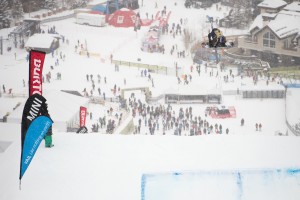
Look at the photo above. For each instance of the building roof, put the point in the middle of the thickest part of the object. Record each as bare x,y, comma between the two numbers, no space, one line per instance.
286,22
285,25
258,22
295,6
41,40
269,15
290,13
272,4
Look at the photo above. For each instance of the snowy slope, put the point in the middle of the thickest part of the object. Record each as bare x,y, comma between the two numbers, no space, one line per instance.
98,166
93,166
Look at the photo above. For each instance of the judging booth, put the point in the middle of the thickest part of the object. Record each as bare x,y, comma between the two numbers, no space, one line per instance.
193,94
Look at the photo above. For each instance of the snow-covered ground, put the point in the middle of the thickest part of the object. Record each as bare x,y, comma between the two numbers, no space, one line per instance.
100,166
93,166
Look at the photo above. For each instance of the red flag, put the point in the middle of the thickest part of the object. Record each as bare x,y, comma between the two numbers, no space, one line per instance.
36,64
82,116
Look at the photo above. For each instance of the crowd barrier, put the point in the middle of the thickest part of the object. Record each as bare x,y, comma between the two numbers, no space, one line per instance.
151,68
264,94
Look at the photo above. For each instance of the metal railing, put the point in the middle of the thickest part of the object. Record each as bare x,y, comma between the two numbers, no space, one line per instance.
249,40
242,57
155,99
294,131
289,48
13,95
101,100
152,68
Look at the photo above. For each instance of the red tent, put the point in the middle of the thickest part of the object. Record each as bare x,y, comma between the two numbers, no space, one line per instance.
123,18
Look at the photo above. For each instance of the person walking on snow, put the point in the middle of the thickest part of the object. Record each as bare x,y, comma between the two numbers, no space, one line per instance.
99,78
242,122
227,130
48,138
259,126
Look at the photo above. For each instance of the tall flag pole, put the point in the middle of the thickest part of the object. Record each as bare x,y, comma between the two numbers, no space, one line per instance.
36,121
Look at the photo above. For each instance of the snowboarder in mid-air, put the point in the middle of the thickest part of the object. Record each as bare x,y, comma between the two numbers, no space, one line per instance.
216,38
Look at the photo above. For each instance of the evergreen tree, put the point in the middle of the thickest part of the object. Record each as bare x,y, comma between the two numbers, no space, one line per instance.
41,4
5,15
30,5
242,13
50,4
69,3
256,9
17,9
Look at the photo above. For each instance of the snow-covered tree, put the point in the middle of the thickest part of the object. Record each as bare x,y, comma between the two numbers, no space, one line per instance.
17,9
256,9
32,5
5,15
50,4
242,13
68,3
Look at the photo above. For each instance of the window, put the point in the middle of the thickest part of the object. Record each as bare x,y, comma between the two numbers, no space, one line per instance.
120,19
286,44
269,40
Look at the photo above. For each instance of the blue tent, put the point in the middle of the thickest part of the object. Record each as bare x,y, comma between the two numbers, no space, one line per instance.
112,5
99,8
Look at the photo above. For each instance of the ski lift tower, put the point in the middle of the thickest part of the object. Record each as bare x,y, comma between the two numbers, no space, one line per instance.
27,28
1,46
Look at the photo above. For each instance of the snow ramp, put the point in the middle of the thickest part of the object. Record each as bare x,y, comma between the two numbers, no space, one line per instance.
258,184
292,108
